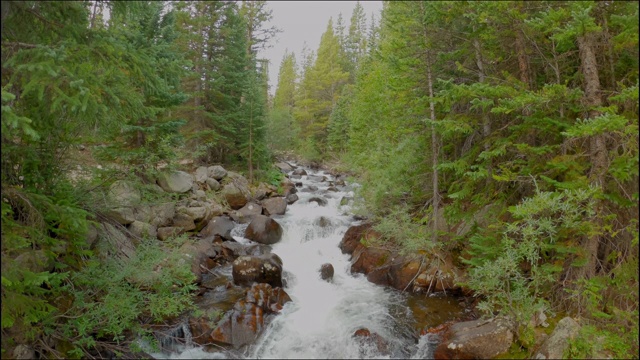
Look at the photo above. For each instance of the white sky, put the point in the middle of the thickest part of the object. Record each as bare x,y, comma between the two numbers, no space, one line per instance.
302,21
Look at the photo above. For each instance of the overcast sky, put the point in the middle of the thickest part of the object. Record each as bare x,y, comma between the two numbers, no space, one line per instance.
302,21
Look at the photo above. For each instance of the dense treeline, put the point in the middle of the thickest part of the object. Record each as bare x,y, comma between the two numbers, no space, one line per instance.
141,84
519,116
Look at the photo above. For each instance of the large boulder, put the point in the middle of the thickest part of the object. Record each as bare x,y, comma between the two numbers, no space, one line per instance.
299,171
265,268
235,195
555,345
264,230
248,318
175,182
123,193
218,226
184,221
157,215
477,339
351,239
217,172
318,200
274,206
213,184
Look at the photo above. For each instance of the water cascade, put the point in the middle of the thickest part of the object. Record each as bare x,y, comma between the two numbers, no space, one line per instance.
324,315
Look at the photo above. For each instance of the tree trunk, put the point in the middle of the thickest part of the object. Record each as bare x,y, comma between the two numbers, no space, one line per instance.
435,149
598,150
486,122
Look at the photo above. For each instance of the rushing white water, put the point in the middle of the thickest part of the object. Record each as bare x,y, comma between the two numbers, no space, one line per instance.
323,316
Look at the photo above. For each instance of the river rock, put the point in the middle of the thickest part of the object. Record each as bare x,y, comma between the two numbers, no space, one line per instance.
555,345
320,201
167,232
295,177
351,239
263,229
260,269
235,195
299,171
123,193
248,318
220,226
310,188
247,213
326,272
213,184
122,215
175,182
316,178
283,166
143,230
366,337
291,198
216,172
197,213
184,221
477,339
202,174
274,206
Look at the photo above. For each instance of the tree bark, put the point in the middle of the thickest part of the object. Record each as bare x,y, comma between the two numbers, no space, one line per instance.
598,150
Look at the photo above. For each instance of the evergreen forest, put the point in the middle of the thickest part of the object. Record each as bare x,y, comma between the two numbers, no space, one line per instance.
502,135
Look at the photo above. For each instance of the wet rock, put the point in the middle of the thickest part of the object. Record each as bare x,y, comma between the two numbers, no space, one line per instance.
298,184
248,318
291,198
346,200
310,188
326,272
477,339
295,177
216,172
264,230
219,225
366,337
288,187
555,345
274,206
320,201
332,189
351,239
299,172
175,182
322,222
339,182
260,269
316,178
368,259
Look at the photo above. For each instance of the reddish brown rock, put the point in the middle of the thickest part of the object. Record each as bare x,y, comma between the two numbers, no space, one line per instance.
477,339
265,268
326,272
351,239
367,337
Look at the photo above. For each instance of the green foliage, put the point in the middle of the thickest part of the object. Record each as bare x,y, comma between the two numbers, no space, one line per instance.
110,299
529,256
411,236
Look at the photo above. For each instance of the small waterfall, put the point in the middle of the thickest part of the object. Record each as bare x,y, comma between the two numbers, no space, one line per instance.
177,337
